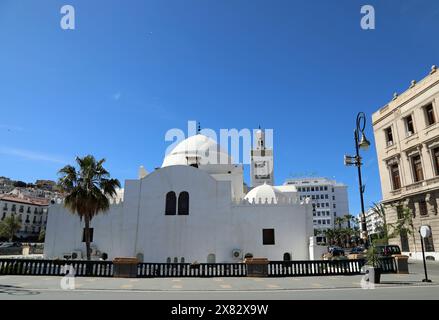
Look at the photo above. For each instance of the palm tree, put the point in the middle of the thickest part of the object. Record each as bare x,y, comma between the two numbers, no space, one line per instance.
356,233
330,236
348,219
380,211
9,227
404,225
42,235
88,191
339,221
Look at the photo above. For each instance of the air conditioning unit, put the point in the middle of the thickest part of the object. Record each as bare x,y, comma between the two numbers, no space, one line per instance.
236,253
76,255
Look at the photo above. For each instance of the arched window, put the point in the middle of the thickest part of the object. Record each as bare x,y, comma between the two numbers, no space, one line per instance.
183,203
171,204
211,258
287,256
182,260
168,260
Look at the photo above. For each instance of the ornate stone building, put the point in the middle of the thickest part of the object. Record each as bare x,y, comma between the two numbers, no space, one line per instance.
407,141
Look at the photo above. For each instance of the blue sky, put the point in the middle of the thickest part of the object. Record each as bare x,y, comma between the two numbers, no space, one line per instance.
134,69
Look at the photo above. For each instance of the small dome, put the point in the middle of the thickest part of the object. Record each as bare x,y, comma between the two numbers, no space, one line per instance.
264,193
198,149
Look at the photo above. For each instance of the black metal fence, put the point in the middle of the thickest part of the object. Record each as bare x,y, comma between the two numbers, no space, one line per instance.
150,270
36,267
157,270
314,268
387,265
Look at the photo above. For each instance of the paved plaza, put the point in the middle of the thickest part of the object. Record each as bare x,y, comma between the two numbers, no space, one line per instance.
393,286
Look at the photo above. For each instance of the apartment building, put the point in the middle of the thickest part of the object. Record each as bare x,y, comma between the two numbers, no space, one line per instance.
329,198
31,212
407,142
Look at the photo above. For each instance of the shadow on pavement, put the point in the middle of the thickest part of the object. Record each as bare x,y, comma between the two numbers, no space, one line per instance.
403,283
13,290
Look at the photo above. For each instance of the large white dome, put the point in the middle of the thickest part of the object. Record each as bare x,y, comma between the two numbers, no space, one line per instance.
264,194
197,149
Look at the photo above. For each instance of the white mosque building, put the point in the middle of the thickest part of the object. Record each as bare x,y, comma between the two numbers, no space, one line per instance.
193,210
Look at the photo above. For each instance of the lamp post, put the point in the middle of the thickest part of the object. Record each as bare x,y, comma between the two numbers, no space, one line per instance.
360,143
425,232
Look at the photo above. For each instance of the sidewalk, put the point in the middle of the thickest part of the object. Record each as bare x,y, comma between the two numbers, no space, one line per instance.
224,284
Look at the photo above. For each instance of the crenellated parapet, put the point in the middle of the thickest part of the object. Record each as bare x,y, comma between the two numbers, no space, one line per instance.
283,201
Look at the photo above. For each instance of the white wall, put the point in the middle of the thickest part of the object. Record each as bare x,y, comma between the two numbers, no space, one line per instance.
64,232
292,225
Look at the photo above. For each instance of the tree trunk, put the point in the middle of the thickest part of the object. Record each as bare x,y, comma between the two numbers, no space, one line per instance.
87,236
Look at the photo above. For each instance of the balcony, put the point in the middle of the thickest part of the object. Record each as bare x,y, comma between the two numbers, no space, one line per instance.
396,192
414,186
432,181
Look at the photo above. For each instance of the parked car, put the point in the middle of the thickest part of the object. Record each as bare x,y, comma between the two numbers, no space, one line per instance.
336,251
357,250
10,245
7,245
388,250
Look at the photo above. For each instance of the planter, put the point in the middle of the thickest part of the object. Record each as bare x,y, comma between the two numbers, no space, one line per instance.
402,265
257,267
125,267
374,274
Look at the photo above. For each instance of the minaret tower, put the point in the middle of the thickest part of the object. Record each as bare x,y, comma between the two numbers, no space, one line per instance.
261,169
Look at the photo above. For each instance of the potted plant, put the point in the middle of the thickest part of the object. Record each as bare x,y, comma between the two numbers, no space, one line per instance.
372,264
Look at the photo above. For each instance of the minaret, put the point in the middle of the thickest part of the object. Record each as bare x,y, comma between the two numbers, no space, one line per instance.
261,169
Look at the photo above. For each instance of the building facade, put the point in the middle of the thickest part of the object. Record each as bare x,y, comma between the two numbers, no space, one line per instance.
329,199
407,142
374,222
31,212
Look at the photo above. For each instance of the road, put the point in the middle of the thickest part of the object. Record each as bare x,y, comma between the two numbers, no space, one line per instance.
332,287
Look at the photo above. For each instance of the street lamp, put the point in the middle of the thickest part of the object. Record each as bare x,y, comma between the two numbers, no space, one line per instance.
362,143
